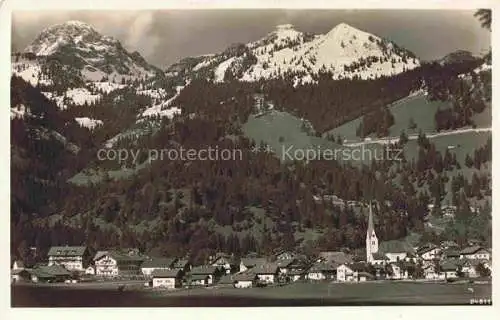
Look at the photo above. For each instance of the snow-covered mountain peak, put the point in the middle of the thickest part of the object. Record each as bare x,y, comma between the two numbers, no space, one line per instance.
79,46
343,30
284,31
345,52
283,27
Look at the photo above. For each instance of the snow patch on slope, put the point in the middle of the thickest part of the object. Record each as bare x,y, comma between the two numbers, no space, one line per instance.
77,96
89,122
31,72
19,111
106,86
158,110
221,69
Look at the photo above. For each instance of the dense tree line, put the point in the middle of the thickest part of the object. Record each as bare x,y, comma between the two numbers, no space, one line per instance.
255,203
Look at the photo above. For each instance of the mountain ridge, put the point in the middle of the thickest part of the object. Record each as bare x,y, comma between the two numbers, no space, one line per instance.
344,52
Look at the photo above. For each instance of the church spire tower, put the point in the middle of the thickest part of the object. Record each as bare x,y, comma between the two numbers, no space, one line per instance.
371,238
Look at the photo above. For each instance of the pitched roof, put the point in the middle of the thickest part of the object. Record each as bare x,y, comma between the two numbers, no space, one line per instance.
158,263
336,256
320,267
449,243
253,262
161,273
448,266
426,248
226,279
225,259
245,276
181,263
19,263
64,251
99,254
18,271
204,270
266,269
296,272
471,250
284,251
451,252
366,274
285,262
50,271
198,277
120,256
358,266
476,262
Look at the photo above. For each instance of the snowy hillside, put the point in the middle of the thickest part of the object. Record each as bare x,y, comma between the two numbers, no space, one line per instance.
344,52
74,65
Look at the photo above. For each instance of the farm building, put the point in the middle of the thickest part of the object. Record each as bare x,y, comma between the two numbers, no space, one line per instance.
245,280
169,279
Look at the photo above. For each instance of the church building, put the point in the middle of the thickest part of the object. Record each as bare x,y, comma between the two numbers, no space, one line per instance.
371,238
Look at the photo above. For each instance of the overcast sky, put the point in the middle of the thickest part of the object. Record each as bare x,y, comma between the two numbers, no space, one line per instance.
163,37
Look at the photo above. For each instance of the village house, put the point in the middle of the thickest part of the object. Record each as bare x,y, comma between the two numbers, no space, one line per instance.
245,280
200,280
224,262
204,275
322,271
19,275
431,272
448,211
295,275
249,263
397,272
354,272
52,273
182,264
411,257
450,253
153,264
379,259
117,264
396,256
365,276
285,265
429,252
18,272
163,278
18,265
90,270
72,258
469,268
475,253
449,244
226,281
448,270
285,255
267,274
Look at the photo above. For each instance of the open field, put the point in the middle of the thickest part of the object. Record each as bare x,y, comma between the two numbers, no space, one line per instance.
415,107
297,294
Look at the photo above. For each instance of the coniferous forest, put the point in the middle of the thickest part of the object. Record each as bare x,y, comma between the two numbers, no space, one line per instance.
254,204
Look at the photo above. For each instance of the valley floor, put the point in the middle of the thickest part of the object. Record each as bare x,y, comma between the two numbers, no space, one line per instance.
296,294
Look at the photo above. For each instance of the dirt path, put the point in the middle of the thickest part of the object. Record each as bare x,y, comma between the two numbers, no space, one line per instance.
430,135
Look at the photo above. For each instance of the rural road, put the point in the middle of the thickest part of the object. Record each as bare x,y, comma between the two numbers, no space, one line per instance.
429,135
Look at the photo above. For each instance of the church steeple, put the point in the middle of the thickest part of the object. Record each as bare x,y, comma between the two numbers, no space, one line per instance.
371,237
371,228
